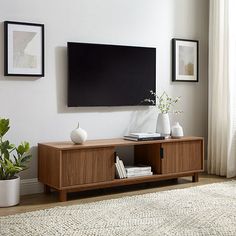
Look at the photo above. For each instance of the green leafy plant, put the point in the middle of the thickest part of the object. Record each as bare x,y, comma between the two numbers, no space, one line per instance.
13,159
164,102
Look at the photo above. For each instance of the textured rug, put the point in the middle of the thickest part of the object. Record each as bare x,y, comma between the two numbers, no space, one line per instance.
203,210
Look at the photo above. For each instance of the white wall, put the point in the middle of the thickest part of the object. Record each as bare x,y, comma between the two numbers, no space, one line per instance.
37,107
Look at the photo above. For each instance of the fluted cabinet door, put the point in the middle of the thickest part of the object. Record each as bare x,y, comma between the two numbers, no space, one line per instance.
182,157
87,166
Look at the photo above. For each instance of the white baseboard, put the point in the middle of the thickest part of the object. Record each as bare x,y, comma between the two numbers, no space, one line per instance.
30,186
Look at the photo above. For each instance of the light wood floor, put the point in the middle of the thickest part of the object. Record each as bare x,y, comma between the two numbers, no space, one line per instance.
43,201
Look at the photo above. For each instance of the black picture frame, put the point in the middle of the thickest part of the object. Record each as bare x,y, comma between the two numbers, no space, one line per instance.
185,57
23,49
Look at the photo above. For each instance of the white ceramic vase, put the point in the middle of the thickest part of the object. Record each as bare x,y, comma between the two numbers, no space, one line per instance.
78,135
177,131
163,124
10,192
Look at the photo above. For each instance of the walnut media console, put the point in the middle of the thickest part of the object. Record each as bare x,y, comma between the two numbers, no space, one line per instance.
67,167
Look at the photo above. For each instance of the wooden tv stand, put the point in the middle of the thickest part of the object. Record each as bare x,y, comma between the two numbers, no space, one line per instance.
67,167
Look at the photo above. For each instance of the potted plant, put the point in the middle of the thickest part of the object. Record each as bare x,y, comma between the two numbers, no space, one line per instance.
13,159
164,104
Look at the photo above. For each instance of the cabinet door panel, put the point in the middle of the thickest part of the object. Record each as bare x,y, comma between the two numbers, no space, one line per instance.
182,157
87,166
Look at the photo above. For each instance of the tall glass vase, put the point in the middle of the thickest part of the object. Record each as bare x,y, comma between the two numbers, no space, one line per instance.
163,124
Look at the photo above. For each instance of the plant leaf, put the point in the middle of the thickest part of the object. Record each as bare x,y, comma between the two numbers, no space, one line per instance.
4,126
11,166
23,148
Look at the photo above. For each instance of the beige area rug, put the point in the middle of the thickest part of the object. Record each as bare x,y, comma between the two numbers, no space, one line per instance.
203,210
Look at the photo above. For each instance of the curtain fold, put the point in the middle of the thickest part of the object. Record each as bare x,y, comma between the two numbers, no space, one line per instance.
221,112
231,160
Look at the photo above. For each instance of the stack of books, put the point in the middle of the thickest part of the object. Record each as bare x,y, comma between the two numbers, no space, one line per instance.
139,170
120,169
143,136
123,172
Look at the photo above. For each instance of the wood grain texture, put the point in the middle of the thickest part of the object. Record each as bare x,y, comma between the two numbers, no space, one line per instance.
49,166
127,181
87,166
67,167
182,156
148,155
111,143
62,195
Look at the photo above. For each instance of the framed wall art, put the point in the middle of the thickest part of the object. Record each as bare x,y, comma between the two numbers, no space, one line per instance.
184,60
23,49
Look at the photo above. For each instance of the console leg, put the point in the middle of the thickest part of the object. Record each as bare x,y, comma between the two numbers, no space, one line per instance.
195,177
47,189
62,196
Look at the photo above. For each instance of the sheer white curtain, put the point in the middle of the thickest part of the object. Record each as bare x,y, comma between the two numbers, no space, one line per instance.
222,89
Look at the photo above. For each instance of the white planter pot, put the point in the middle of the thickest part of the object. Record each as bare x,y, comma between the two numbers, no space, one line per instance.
10,192
163,124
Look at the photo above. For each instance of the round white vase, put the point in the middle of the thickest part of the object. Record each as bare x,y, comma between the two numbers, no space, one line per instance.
177,131
10,192
78,135
163,124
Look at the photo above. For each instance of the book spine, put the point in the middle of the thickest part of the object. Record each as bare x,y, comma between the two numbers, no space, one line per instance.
130,138
137,171
139,174
134,169
150,138
144,139
144,136
120,176
116,172
122,168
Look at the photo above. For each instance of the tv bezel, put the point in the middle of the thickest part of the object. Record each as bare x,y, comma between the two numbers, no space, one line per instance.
142,103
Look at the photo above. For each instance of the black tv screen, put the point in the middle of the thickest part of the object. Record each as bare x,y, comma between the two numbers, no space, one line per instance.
110,75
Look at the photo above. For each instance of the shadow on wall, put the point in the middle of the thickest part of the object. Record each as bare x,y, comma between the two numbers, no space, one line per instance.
142,121
61,87
2,51
32,171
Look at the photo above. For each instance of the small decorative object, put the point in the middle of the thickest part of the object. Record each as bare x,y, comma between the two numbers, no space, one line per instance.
184,60
9,167
177,131
78,135
164,104
24,49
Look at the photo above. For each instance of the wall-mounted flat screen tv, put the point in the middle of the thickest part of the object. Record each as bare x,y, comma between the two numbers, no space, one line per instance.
110,75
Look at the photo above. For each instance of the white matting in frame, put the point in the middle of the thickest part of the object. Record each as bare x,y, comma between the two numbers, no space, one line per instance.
24,49
184,60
